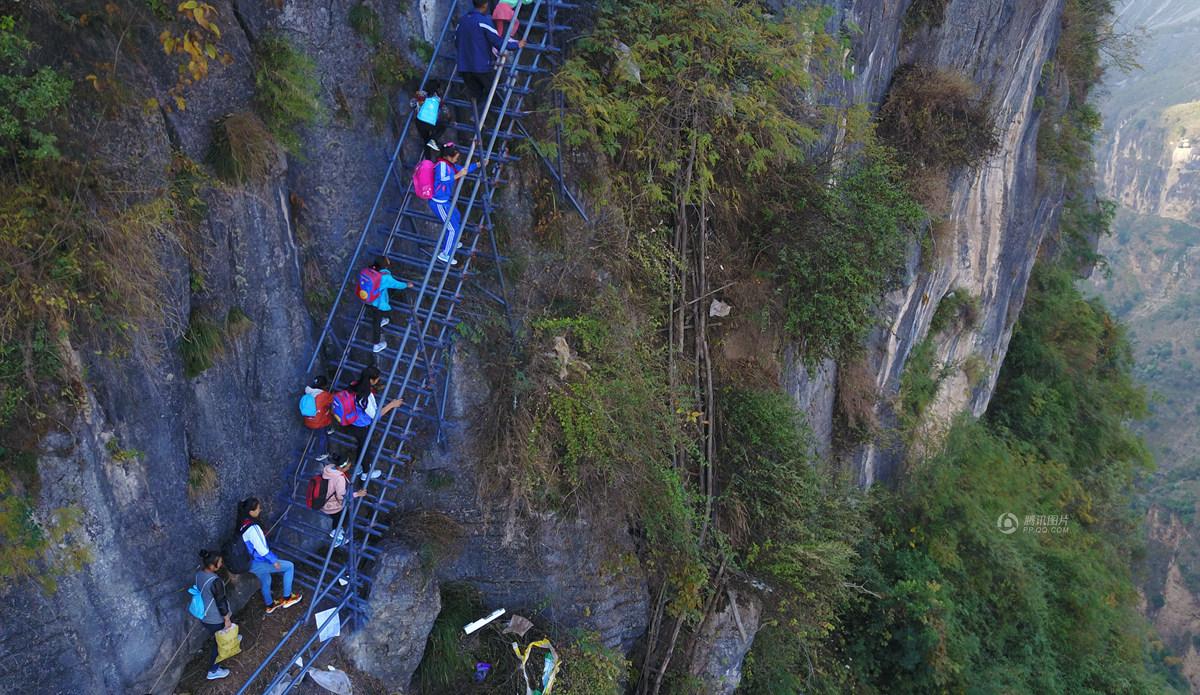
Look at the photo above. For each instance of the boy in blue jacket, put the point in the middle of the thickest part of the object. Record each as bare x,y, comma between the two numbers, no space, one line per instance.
475,39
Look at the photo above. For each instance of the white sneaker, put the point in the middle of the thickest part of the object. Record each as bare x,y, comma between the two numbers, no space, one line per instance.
459,245
374,474
384,322
446,259
339,538
218,674
379,347
322,457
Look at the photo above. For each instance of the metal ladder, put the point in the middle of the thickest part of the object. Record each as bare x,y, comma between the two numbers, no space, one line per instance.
416,364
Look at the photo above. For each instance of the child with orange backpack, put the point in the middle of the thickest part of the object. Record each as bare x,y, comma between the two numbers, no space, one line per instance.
315,408
374,281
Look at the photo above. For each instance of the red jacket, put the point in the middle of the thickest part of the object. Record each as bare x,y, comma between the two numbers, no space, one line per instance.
324,416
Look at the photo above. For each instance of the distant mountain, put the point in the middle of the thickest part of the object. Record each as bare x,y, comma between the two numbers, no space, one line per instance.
1149,163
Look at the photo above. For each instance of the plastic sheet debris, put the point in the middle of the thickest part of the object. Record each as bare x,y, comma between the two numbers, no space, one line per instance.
719,308
626,67
549,666
517,625
333,680
472,627
329,624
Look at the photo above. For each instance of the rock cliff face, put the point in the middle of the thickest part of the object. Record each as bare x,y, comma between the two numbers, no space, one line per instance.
115,625
998,213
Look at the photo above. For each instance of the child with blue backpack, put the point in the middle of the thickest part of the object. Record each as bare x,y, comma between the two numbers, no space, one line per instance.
210,605
374,281
433,116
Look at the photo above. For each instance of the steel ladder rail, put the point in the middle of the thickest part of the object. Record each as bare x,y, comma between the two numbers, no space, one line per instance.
438,295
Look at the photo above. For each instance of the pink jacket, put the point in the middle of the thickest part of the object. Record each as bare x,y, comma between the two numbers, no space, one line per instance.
337,489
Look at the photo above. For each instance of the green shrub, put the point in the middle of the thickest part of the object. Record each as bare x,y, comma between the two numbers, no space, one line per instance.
962,607
242,149
799,524
925,13
936,119
37,549
447,662
287,93
919,383
421,48
590,668
845,246
202,342
958,309
121,454
389,70
365,23
30,98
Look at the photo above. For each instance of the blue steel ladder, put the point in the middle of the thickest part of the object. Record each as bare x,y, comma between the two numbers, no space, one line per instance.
416,363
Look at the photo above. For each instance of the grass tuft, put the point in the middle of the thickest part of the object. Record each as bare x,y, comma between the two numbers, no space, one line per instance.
287,92
365,23
202,343
242,148
202,478
447,661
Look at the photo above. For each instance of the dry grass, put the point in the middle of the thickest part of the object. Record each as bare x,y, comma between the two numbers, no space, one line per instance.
856,399
242,148
202,479
936,119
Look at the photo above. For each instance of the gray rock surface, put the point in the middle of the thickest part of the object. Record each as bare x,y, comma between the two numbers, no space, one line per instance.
999,214
723,642
404,604
114,626
579,572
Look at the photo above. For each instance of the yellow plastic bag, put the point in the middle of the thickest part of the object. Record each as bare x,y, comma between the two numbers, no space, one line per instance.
228,643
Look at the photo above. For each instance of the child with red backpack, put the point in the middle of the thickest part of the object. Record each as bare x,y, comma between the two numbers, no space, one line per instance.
315,406
327,492
374,281
356,408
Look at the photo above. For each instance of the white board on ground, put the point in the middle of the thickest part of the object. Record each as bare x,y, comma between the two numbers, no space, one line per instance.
328,627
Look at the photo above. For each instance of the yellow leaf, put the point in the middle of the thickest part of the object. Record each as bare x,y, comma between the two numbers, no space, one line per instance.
95,82
180,103
199,15
186,6
210,50
216,31
151,104
226,59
